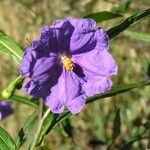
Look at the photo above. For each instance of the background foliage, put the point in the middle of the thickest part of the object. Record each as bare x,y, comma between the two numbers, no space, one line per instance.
111,123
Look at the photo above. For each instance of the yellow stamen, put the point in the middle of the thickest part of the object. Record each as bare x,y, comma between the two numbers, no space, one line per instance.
67,63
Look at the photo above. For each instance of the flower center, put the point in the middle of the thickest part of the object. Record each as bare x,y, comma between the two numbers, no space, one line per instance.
67,62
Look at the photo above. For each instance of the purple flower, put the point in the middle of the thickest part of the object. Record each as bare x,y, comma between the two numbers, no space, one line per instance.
5,109
69,62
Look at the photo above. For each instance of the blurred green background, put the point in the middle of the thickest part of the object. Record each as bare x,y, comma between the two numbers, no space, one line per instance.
94,127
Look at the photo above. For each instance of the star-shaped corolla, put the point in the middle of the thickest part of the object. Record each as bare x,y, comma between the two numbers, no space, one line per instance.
5,109
69,62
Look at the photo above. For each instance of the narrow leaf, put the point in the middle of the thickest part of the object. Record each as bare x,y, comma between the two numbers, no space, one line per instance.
118,89
6,141
67,128
63,116
128,22
137,35
102,16
52,121
27,131
10,47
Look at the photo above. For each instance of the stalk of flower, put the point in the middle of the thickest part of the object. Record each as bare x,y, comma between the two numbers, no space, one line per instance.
5,109
69,62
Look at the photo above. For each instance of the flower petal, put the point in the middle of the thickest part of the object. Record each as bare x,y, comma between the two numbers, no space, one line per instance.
82,25
96,63
40,86
64,31
80,34
82,42
75,105
46,43
55,103
32,66
97,86
5,109
67,92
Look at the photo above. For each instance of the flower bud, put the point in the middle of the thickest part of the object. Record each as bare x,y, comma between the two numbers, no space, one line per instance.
9,91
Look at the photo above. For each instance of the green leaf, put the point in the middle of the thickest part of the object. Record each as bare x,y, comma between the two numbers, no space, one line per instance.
102,16
128,23
52,121
24,100
116,125
26,133
10,47
137,35
67,128
6,141
118,89
63,116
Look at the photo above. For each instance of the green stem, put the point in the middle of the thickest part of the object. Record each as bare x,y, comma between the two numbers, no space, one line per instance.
24,100
38,131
